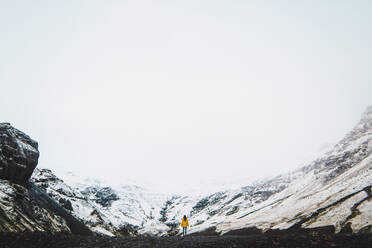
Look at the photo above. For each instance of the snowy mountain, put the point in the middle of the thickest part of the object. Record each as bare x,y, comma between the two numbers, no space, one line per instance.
331,193
334,190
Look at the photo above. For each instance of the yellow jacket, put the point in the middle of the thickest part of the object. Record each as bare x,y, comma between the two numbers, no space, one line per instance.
185,223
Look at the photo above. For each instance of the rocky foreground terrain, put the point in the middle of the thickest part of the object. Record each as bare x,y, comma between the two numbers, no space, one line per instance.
288,240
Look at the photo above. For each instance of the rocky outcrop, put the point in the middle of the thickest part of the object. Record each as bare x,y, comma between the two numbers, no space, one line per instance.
23,206
103,196
20,211
113,211
18,154
77,204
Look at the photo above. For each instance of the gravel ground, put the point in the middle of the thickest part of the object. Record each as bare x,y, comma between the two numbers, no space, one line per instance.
43,240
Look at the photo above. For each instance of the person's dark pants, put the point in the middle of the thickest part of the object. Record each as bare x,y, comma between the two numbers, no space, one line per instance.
184,231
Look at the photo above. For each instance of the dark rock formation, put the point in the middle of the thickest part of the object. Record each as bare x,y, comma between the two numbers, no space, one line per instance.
245,231
66,204
207,232
20,211
103,196
127,230
41,199
18,154
23,206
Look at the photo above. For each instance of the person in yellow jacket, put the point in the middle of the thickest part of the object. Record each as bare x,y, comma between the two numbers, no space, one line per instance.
184,224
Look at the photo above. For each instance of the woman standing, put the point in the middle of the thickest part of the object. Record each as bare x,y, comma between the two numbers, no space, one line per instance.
184,224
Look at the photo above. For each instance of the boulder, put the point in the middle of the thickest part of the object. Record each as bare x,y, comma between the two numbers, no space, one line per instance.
18,154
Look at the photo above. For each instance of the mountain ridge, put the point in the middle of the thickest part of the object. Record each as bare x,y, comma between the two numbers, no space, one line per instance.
338,183
331,194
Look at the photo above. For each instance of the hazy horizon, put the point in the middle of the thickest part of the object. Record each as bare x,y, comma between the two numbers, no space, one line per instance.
209,186
183,93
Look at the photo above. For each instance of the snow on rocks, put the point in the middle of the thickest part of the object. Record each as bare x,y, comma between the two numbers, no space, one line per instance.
20,211
334,190
121,210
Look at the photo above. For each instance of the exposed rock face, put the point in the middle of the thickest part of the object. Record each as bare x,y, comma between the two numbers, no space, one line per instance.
120,211
20,211
23,206
77,204
103,196
18,154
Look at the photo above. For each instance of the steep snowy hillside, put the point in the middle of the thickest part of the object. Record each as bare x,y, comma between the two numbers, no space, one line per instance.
333,190
112,210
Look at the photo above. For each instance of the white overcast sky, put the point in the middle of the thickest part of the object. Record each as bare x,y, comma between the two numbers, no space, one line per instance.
182,92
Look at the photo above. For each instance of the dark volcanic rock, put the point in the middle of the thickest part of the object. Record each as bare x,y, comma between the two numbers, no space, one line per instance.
245,231
18,154
207,232
66,204
61,240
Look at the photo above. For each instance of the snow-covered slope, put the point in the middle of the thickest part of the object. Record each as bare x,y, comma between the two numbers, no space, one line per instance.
19,212
112,210
333,190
